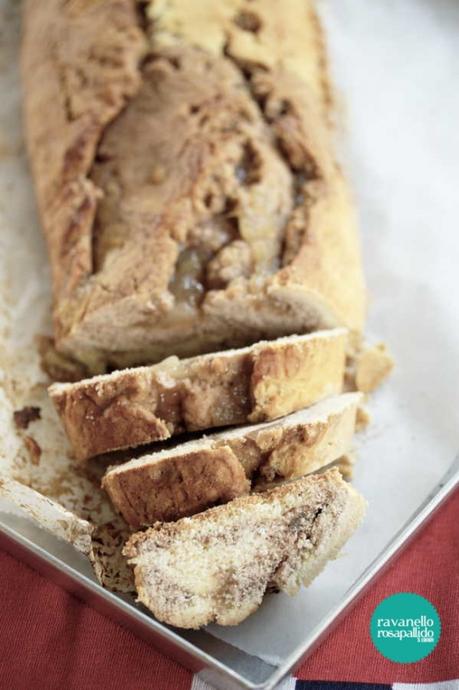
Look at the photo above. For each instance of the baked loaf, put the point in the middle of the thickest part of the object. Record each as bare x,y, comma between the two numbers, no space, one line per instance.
185,480
217,566
254,384
185,176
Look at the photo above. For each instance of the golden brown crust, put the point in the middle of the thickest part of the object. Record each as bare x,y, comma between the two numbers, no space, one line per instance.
177,487
212,160
293,377
217,565
79,66
137,406
196,475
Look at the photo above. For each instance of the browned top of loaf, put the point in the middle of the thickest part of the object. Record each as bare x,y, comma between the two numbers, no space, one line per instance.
208,162
80,66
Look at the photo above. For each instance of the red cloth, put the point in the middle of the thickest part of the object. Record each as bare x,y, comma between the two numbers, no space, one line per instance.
50,640
430,567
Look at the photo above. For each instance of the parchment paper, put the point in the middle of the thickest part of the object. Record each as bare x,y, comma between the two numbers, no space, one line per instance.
396,65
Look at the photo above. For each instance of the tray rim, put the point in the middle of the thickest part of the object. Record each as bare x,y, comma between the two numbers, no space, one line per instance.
186,652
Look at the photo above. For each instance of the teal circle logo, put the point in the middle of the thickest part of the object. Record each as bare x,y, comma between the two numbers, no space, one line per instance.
405,628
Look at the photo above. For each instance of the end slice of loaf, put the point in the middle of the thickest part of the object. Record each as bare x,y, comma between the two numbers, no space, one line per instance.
185,480
265,381
217,566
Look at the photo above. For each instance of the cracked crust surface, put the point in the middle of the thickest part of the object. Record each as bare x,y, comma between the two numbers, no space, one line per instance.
182,481
79,67
217,566
185,177
264,381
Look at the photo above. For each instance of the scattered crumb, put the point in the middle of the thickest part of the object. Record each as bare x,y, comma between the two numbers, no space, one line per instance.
362,419
33,449
349,374
366,367
373,365
345,465
26,415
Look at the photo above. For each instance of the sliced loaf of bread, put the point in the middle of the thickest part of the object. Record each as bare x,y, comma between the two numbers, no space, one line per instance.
193,476
136,406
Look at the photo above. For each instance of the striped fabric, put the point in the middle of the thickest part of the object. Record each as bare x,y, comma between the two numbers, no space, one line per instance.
294,684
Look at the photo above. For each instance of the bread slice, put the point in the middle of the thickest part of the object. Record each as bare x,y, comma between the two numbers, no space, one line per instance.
186,177
254,384
185,480
215,567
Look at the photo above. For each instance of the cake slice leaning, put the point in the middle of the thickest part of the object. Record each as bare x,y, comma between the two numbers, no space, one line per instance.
265,381
216,567
181,481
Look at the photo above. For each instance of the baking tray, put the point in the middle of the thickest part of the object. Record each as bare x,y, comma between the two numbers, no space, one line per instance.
216,662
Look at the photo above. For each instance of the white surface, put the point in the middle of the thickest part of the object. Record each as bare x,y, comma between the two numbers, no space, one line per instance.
396,66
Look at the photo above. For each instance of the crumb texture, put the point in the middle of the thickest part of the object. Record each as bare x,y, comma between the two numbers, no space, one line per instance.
171,484
217,566
263,382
